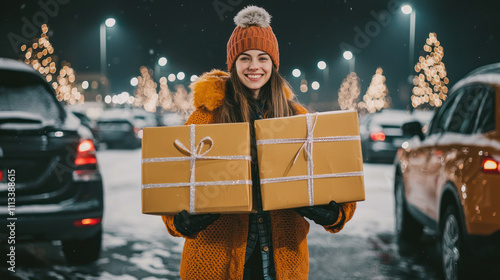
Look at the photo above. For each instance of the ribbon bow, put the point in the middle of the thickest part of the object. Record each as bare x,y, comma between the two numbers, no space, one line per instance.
308,141
195,151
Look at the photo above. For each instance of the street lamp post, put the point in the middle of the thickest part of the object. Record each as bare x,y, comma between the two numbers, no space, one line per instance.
110,22
162,61
407,9
324,67
350,57
297,74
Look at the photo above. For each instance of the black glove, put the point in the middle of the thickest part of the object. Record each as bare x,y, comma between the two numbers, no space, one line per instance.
322,215
191,224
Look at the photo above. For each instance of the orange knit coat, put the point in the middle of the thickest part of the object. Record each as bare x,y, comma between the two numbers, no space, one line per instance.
218,252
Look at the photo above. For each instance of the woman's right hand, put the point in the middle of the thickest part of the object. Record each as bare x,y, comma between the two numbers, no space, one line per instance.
191,224
323,215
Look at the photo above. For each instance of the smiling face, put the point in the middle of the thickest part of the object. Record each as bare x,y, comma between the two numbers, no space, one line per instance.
254,68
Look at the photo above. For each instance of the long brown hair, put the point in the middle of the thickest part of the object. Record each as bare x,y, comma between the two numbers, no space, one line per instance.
239,99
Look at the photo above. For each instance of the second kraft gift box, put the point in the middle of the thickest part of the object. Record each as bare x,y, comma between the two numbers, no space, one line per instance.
197,168
310,159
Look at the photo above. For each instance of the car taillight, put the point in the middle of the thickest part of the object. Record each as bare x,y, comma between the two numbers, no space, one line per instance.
87,222
85,154
1,175
377,136
490,165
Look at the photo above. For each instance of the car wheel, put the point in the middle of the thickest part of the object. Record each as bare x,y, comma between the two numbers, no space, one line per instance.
407,227
453,255
83,251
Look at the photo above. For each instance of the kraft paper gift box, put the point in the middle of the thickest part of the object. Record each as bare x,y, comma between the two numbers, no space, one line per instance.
197,168
310,159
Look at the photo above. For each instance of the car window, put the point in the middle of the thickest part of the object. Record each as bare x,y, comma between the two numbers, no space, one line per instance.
486,120
466,111
122,125
31,98
440,120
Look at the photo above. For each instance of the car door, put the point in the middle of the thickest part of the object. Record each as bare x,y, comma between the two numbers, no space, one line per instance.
484,123
458,145
424,161
453,149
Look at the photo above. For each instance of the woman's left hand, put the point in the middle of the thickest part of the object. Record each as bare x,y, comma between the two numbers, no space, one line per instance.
324,215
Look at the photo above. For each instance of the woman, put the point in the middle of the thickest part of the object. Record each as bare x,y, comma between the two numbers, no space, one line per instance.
264,245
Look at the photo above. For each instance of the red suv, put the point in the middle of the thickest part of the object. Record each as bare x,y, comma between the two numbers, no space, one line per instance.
448,179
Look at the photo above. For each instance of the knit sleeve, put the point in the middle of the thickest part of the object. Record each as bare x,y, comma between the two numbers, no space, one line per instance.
169,223
199,116
346,213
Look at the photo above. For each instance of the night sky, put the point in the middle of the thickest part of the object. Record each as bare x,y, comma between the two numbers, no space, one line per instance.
193,36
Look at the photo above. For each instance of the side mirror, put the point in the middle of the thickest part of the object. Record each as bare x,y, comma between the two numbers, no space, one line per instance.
411,129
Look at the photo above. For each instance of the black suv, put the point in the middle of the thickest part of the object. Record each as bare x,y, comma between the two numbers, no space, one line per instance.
50,185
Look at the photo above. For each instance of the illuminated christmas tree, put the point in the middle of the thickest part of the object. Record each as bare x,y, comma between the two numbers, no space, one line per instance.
376,96
349,92
145,93
40,55
165,97
430,82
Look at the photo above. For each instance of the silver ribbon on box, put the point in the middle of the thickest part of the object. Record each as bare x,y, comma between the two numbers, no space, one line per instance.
307,146
195,153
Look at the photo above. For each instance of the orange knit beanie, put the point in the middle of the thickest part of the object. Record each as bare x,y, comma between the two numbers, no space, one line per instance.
252,32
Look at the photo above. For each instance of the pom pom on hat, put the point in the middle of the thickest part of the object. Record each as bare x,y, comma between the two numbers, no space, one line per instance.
253,31
253,16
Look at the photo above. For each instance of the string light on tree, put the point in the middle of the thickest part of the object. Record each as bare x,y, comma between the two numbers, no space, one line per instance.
349,92
376,96
430,83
